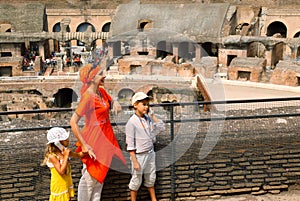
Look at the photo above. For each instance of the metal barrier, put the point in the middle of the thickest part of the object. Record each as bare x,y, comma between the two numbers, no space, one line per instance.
172,120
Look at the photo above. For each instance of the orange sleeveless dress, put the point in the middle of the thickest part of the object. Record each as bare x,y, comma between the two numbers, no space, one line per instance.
98,133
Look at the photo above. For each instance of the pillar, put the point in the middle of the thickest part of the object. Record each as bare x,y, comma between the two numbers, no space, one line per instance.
198,52
42,50
268,55
294,52
175,52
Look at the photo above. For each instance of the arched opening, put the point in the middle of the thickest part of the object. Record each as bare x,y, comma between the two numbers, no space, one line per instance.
210,49
277,53
6,27
256,49
106,27
164,49
64,98
144,24
242,29
297,35
124,95
277,29
56,28
83,27
186,51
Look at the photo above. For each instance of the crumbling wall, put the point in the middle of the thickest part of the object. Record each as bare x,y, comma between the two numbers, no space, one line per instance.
254,66
286,73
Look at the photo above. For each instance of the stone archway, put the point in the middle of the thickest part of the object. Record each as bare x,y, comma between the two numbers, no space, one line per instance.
84,27
277,29
164,49
125,95
106,27
256,49
65,97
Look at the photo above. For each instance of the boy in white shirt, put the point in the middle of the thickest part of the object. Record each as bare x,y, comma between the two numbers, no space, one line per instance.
141,131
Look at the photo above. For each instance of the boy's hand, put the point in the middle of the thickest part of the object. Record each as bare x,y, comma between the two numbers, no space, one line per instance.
150,112
137,166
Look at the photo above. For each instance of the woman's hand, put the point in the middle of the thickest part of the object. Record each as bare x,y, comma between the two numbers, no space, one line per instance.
87,149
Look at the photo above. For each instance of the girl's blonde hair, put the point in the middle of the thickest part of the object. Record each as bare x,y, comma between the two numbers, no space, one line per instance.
50,149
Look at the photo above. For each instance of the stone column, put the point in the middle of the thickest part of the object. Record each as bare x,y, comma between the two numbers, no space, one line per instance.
42,50
175,52
110,50
198,52
294,52
268,55
51,45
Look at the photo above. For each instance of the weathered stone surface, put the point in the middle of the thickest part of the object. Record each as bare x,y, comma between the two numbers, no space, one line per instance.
250,69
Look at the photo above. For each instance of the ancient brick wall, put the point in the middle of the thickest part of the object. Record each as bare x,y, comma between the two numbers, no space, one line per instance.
251,156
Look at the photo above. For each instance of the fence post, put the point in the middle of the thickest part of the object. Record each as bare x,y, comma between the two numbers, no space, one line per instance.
172,153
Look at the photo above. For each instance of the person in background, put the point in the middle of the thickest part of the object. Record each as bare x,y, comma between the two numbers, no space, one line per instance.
96,138
141,131
56,158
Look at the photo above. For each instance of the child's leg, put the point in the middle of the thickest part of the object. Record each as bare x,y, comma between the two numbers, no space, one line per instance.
150,176
133,195
151,191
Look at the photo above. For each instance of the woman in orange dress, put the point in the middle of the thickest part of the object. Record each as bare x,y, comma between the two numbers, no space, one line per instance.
96,137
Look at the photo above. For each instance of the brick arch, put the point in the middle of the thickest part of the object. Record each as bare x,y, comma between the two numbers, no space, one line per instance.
297,34
125,94
277,53
89,23
277,27
5,25
105,24
256,49
242,29
163,49
64,97
145,88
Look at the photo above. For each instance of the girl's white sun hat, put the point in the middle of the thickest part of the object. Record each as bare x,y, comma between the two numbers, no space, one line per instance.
56,134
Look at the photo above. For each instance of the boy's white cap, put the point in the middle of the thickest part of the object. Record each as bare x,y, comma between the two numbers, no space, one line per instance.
57,134
138,97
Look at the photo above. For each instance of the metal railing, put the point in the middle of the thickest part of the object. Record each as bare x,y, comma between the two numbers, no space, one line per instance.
172,120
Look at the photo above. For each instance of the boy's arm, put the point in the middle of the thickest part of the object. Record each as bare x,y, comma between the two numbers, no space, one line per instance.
130,136
131,147
158,125
135,163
